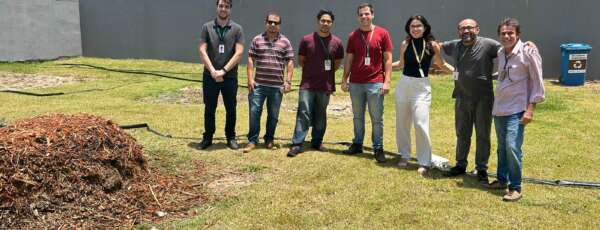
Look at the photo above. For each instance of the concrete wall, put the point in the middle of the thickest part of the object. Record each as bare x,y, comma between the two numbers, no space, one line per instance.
39,29
161,29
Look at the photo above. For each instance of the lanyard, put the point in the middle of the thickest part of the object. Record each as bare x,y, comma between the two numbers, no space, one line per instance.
221,32
325,48
506,70
417,56
367,44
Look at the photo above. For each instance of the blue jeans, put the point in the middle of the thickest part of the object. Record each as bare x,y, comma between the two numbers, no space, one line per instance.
312,111
363,95
510,131
273,96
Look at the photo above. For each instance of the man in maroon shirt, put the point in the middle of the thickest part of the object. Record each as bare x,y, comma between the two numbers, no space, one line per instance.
320,55
367,75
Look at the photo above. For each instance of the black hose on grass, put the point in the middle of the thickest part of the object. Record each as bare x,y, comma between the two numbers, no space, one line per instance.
63,93
563,183
143,72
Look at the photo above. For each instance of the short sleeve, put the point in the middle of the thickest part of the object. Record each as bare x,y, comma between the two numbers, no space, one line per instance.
448,47
339,52
204,34
302,47
239,38
252,49
389,46
289,51
349,47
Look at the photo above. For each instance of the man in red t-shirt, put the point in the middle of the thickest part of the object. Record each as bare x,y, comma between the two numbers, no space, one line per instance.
367,75
320,55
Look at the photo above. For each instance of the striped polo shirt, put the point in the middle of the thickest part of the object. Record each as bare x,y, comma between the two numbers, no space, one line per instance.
270,59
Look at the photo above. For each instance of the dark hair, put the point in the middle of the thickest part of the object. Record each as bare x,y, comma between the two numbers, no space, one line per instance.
363,5
323,12
427,35
226,1
510,22
273,13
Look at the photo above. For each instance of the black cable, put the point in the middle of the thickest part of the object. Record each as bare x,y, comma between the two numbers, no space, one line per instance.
566,183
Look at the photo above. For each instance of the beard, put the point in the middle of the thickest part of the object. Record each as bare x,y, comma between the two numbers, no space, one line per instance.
223,16
468,37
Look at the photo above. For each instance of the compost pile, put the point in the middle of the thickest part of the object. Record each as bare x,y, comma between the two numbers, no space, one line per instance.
82,171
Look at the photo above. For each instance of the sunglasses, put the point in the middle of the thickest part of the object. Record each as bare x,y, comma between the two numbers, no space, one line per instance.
273,23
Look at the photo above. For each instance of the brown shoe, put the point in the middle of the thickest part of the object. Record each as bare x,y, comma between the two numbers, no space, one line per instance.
270,145
512,195
497,185
249,147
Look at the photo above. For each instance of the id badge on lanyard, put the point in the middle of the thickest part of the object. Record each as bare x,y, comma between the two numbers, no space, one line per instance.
221,48
368,47
455,75
327,64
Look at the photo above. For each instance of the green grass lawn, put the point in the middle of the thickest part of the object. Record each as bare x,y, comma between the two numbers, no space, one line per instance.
266,190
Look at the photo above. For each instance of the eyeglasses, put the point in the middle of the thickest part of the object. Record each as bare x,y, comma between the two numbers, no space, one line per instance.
273,23
505,73
469,28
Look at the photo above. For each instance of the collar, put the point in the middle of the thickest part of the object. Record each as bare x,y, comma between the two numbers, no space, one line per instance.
264,34
515,51
317,34
227,25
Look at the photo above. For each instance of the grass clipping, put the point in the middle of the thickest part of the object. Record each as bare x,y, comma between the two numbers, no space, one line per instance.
82,171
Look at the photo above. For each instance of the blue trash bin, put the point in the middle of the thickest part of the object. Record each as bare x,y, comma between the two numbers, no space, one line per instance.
573,63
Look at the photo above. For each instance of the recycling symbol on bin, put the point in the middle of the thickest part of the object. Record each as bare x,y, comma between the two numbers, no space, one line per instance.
577,65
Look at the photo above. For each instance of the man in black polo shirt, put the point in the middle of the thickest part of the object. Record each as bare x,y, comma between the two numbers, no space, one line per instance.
474,61
221,47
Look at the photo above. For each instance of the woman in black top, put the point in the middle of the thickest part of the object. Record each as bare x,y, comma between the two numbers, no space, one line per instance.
413,91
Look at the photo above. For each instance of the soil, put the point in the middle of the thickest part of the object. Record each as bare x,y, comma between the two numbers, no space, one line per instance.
19,81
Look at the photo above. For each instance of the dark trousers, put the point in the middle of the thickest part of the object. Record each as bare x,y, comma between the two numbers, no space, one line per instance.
469,112
228,90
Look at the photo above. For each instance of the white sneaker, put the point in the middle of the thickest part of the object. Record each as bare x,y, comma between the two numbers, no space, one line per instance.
422,170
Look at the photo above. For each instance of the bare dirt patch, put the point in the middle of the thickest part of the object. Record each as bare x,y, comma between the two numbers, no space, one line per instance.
19,81
186,96
339,106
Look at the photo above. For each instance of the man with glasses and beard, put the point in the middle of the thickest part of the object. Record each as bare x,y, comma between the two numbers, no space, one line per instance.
221,47
320,55
473,57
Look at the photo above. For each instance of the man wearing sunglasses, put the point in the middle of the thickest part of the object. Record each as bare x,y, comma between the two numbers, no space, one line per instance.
473,57
272,55
221,47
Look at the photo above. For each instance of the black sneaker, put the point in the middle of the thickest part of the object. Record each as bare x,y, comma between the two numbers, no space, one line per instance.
354,149
379,155
205,143
482,177
455,171
232,144
316,146
294,150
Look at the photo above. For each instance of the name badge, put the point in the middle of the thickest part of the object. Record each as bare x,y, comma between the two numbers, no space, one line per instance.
421,72
367,60
455,75
327,64
221,49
